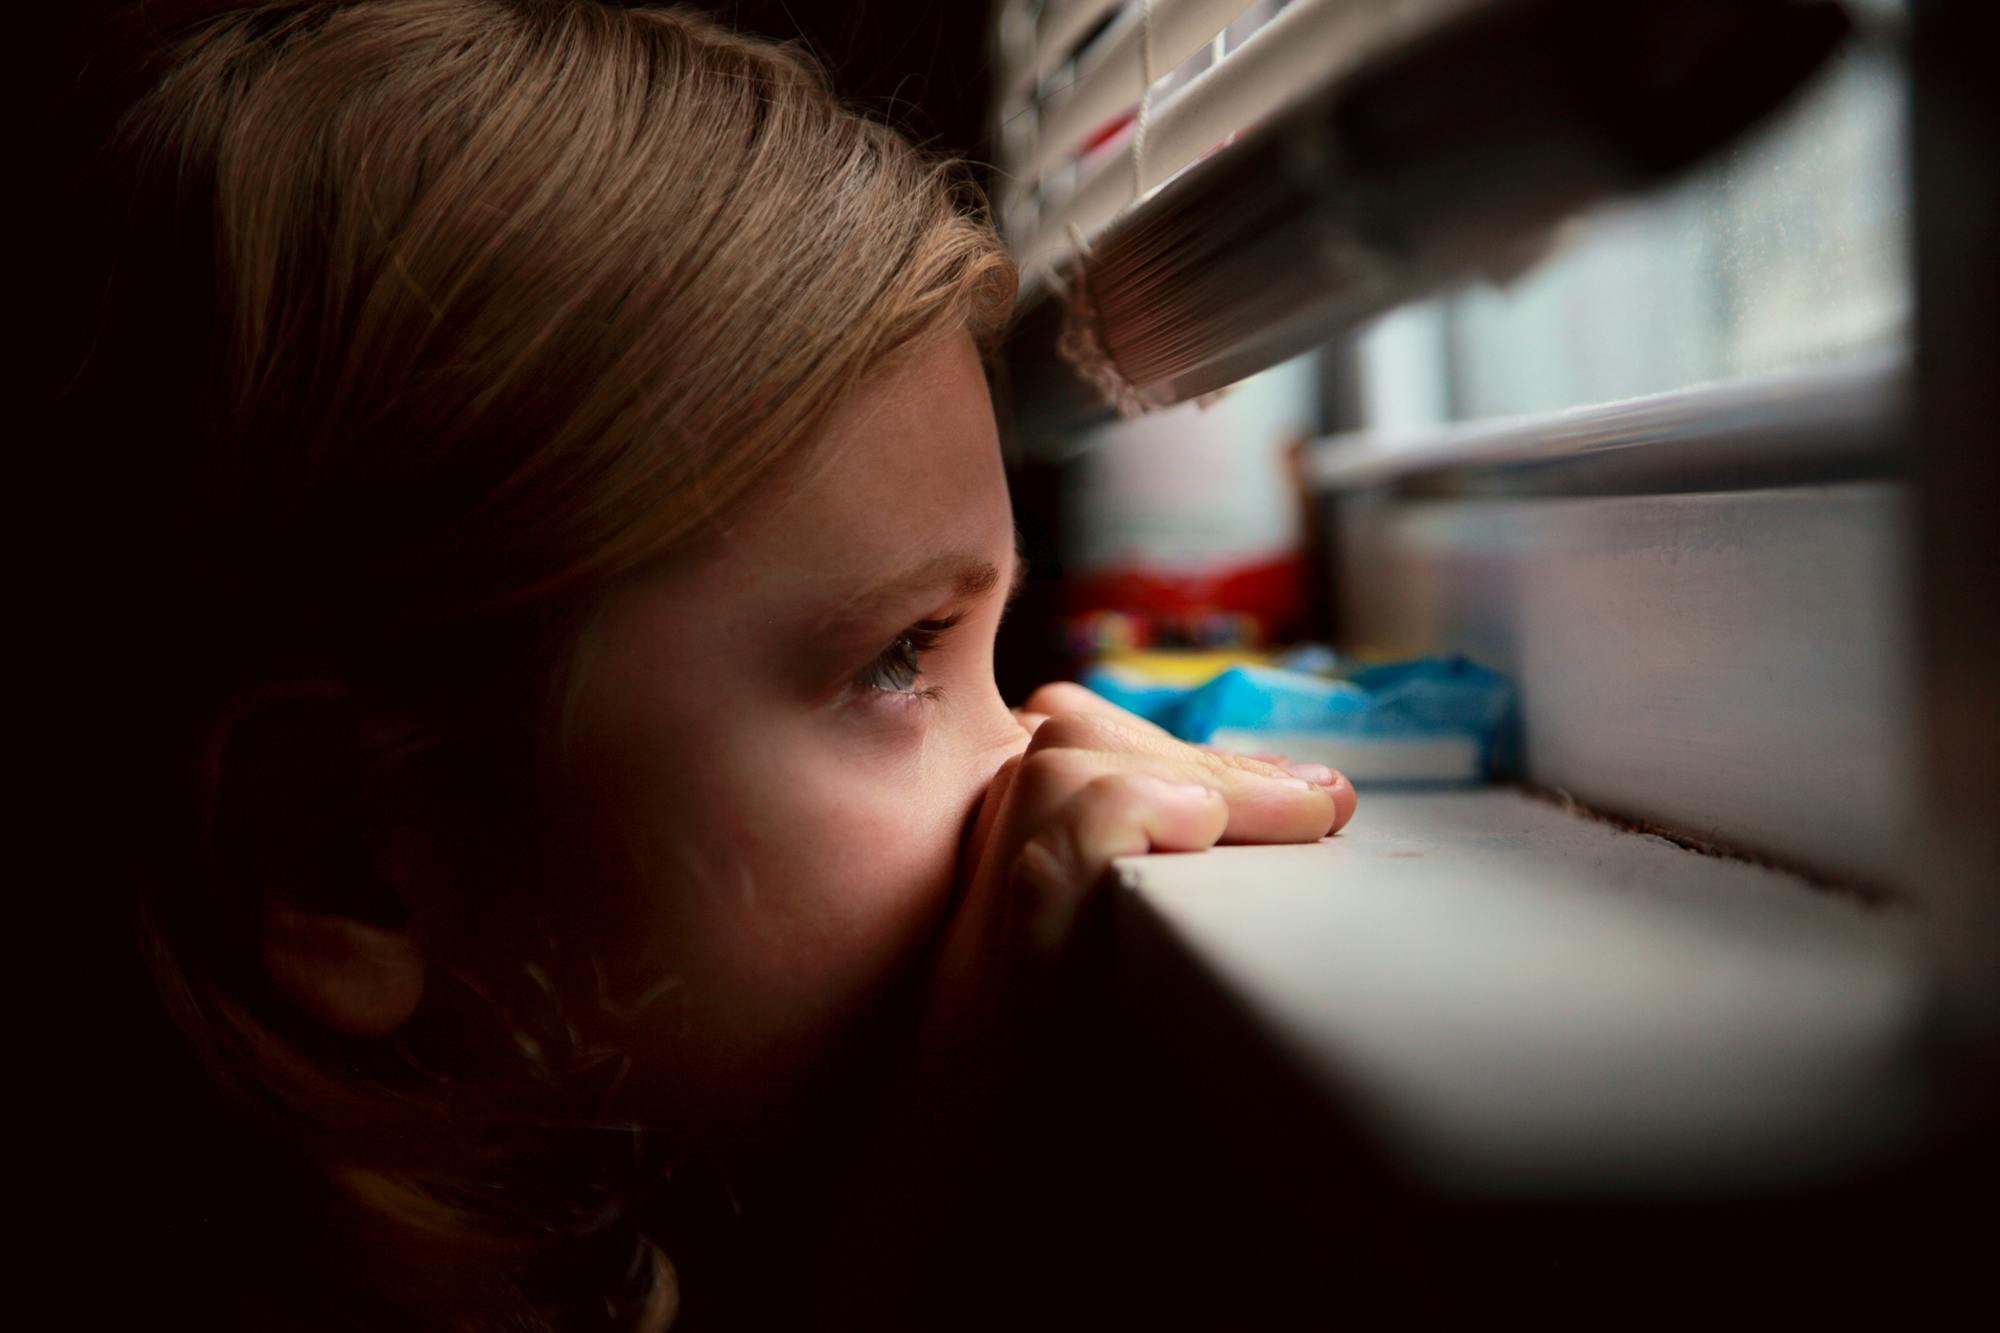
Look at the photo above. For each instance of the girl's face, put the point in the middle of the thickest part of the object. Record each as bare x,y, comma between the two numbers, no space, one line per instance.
776,745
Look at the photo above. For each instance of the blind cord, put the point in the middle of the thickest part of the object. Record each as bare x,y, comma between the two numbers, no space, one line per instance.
1145,99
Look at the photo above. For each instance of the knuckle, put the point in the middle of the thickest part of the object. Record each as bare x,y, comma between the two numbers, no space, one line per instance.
1047,774
1070,731
1105,796
1058,697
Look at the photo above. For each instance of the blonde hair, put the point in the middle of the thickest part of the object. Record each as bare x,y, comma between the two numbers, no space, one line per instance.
430,319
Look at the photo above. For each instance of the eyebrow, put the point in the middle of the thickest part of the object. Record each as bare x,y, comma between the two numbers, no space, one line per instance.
964,574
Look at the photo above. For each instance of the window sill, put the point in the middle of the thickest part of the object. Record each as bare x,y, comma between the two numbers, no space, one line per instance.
1519,1001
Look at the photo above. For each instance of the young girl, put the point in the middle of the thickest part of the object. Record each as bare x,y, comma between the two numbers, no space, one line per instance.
564,538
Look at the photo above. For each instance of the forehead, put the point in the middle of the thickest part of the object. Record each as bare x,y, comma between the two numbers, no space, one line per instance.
908,467
905,475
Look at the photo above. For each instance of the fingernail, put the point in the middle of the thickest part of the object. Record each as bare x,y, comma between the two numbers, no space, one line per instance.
1317,774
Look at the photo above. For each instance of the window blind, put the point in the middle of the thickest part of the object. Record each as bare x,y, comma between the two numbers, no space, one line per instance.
1156,89
1111,78
1198,189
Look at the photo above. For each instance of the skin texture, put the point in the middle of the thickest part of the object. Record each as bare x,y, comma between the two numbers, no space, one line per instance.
790,832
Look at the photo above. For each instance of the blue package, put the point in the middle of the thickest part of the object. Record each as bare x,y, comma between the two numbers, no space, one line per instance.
1158,704
1267,699
1430,694
1381,718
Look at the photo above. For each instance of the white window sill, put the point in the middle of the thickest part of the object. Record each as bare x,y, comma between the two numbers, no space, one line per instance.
1519,1000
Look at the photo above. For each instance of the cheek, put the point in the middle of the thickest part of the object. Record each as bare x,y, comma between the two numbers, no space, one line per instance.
858,863
778,904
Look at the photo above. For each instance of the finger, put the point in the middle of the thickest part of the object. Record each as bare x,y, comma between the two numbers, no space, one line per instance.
1345,801
1113,815
1114,731
1344,797
1068,699
1261,756
1332,780
1084,720
1064,698
1264,804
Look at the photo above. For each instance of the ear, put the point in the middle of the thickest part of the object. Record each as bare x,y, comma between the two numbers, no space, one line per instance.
316,844
357,979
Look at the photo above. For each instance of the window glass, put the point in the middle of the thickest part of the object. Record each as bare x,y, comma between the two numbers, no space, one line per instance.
1788,250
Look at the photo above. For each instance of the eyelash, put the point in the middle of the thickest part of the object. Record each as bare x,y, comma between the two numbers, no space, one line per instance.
898,667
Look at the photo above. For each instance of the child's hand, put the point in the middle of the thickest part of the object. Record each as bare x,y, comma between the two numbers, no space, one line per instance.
1092,783
1095,783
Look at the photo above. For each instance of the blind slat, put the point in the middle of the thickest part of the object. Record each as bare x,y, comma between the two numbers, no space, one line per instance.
1062,26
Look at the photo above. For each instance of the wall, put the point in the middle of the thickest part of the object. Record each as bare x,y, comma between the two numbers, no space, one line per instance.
1732,665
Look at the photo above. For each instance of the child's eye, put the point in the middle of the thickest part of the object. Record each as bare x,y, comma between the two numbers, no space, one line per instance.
899,667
